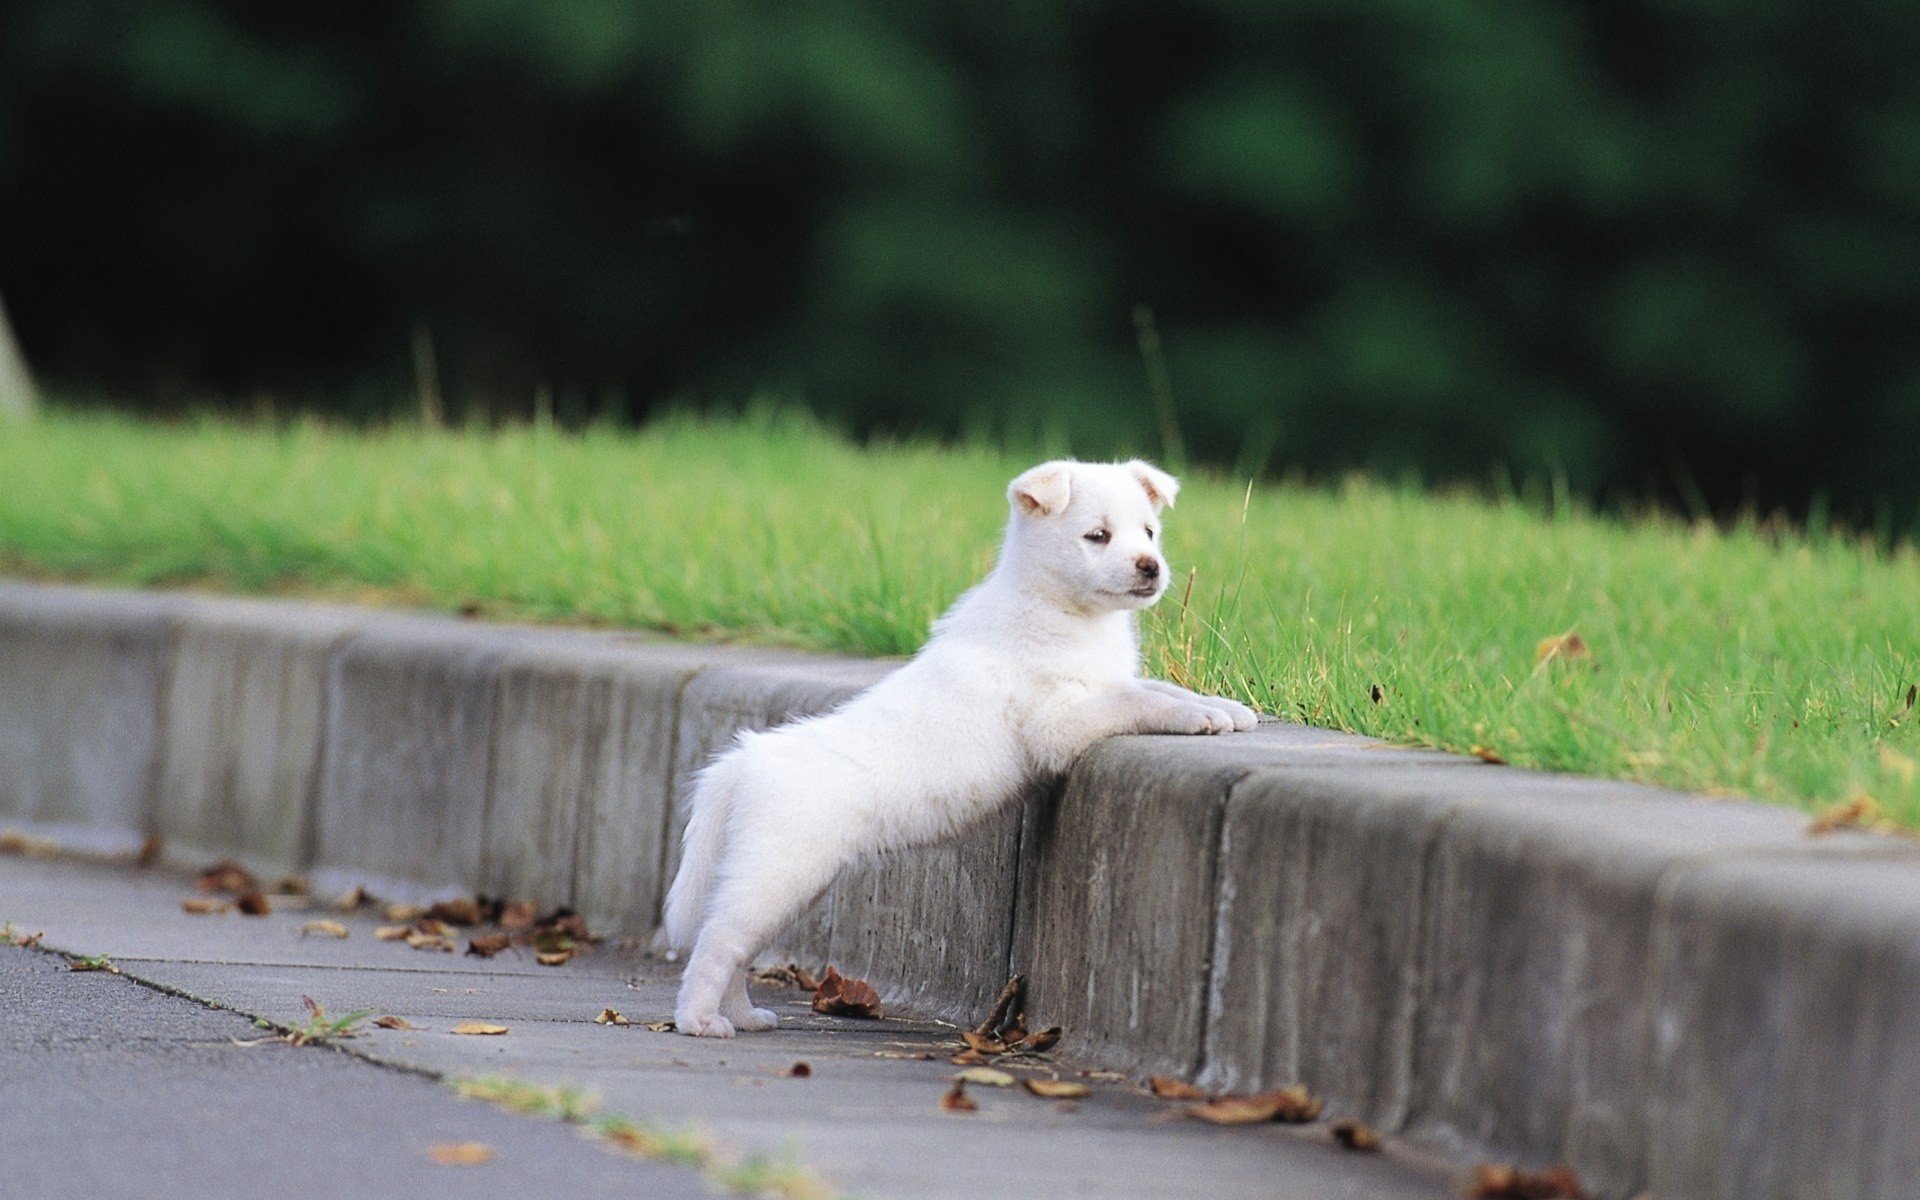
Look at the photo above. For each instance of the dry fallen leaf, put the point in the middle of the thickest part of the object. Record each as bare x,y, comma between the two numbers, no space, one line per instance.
206,906
799,1070
985,1077
1563,646
253,904
403,913
1292,1104
552,958
980,1043
660,1027
838,996
609,1017
479,1028
323,928
488,945
792,975
957,1100
1494,1181
1861,812
1057,1089
1485,755
1041,1042
966,1058
433,927
461,1154
1168,1088
227,876
1355,1136
392,933
392,1022
428,941
463,911
291,885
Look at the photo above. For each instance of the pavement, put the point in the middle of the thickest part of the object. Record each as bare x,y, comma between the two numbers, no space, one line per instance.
158,1082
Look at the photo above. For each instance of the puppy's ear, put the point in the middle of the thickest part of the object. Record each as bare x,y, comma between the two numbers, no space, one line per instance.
1161,487
1042,491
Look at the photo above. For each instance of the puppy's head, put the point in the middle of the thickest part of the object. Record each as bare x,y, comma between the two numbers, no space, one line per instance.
1090,532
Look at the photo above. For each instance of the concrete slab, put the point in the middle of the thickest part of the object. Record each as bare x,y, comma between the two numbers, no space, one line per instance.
403,788
758,690
1785,1038
244,719
82,672
582,764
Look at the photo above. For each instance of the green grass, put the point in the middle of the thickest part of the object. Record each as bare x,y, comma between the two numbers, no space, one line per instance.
1754,659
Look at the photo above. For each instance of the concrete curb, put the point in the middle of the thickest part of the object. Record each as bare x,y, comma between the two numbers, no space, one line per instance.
1681,997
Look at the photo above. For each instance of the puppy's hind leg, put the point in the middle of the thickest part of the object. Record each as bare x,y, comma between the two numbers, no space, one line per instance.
764,885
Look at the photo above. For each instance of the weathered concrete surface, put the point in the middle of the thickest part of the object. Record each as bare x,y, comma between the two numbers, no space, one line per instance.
243,720
758,691
403,787
1540,903
867,1118
581,772
81,675
1786,1026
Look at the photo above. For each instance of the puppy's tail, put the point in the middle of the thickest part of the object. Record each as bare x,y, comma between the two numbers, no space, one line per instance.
700,850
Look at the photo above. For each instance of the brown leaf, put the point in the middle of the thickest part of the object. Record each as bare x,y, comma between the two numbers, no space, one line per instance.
461,1154
660,1027
479,1028
1562,646
519,916
1498,1181
392,933
966,1058
291,885
1355,1136
552,958
392,1022
552,941
227,876
957,1100
463,911
564,922
1292,1104
1861,812
1057,1089
253,904
206,906
1041,1042
405,914
1487,756
838,996
985,1077
792,975
357,898
323,928
1168,1088
981,1043
428,941
799,1070
433,927
1009,1011
489,944
609,1017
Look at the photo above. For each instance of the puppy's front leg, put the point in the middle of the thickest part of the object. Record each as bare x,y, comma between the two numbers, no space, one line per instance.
1243,718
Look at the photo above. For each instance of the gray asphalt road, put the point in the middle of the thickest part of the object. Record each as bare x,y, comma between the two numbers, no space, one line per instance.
109,1088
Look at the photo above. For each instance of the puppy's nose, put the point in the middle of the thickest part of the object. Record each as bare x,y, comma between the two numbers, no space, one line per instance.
1149,566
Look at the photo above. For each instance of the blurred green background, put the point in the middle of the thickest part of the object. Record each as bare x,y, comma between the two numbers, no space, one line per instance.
1661,250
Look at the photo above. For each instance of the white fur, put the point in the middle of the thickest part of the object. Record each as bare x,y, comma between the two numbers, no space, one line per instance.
1022,675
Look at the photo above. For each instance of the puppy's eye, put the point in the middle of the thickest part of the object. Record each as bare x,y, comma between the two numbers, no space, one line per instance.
1150,532
1099,537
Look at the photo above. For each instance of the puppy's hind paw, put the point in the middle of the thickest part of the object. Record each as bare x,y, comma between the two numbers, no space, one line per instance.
712,1025
759,1020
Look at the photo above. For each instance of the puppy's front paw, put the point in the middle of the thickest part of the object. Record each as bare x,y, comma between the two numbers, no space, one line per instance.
1189,717
711,1025
1244,718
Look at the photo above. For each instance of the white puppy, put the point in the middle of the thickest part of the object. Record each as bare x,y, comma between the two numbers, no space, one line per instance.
1022,674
